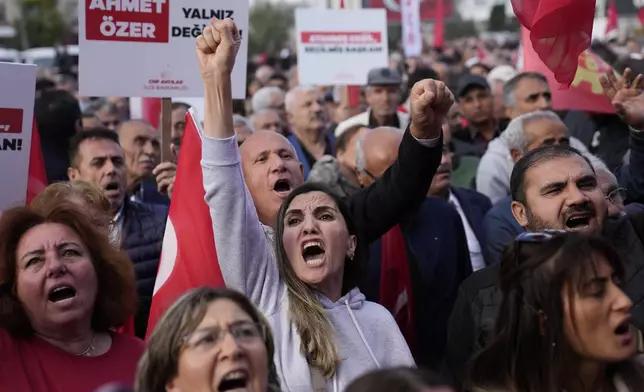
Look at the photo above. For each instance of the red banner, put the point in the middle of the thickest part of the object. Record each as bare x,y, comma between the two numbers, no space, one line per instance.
585,92
429,9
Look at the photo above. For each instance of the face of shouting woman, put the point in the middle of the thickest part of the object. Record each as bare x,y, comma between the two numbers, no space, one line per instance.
597,321
317,242
225,353
56,280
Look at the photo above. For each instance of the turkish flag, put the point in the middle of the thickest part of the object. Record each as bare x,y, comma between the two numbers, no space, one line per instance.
188,255
560,30
37,180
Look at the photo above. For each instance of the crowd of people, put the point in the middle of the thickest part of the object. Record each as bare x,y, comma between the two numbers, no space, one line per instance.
451,232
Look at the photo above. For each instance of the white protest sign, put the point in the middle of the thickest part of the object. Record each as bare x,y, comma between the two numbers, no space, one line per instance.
146,48
17,93
340,47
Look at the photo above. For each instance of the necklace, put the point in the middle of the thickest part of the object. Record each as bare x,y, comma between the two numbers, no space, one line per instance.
89,349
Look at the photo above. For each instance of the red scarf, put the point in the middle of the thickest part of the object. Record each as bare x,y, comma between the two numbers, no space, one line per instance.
395,283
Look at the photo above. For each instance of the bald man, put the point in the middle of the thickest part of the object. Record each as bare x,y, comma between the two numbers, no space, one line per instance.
379,150
440,259
339,172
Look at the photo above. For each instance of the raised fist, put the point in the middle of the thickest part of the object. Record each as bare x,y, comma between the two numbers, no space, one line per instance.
217,48
430,102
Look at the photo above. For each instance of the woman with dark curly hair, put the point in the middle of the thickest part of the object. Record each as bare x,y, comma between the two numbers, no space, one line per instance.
63,289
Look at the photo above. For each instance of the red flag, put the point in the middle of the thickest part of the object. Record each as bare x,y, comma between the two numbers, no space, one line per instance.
188,256
640,15
395,284
560,30
37,180
439,29
612,21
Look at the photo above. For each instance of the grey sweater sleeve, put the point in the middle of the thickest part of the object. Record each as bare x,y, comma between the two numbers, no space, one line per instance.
244,251
490,179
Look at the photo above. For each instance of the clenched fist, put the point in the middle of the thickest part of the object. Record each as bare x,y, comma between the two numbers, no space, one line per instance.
217,48
430,102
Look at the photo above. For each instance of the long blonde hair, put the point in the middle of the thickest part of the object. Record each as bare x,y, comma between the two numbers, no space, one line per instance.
306,312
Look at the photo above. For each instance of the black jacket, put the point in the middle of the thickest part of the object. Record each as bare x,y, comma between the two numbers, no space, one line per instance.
143,230
399,192
472,320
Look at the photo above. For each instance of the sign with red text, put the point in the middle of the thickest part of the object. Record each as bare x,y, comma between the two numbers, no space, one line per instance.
339,47
146,48
585,91
18,83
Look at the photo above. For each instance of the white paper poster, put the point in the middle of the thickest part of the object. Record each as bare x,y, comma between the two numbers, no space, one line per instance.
17,91
146,48
340,47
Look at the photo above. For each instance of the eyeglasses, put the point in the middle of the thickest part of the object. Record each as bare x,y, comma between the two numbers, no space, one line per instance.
534,238
617,196
243,332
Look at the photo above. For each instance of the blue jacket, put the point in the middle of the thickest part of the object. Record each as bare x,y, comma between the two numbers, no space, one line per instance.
475,205
631,176
500,229
439,261
299,150
143,230
148,193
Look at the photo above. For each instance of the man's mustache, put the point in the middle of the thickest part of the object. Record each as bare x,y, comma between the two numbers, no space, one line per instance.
585,207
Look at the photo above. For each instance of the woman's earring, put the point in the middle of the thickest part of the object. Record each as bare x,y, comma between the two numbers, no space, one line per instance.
350,255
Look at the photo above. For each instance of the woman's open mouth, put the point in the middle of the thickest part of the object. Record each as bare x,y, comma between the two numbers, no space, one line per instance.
313,253
624,332
61,294
236,380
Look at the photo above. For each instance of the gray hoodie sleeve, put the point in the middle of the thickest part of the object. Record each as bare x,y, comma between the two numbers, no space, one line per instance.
243,248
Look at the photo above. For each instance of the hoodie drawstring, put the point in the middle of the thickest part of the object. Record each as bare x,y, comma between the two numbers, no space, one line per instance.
355,322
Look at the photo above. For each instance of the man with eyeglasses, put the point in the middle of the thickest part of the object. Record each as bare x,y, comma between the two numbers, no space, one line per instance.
557,187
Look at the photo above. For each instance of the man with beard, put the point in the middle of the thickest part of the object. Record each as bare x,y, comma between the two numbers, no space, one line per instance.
97,157
556,187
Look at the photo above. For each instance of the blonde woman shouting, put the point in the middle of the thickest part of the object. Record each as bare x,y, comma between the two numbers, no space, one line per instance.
326,334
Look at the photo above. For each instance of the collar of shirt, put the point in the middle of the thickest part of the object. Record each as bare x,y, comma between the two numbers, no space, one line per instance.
118,217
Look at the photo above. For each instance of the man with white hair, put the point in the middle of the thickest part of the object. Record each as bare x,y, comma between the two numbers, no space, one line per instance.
497,78
243,129
306,116
525,93
266,120
270,97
